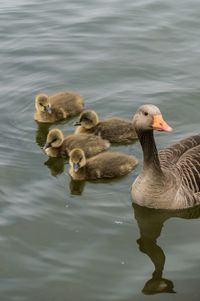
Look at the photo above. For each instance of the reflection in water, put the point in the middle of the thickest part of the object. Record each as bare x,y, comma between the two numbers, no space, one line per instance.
150,223
43,130
56,165
41,133
76,187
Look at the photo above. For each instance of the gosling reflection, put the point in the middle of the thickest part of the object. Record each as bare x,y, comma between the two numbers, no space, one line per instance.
41,133
56,166
150,223
76,187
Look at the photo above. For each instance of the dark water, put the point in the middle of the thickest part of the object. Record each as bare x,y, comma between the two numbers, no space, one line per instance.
60,241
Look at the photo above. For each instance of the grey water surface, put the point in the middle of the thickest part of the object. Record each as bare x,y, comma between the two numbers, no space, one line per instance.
63,241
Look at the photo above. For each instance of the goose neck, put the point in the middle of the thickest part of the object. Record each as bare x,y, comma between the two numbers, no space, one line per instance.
150,153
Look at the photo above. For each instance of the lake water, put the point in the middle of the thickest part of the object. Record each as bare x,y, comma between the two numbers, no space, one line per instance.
62,241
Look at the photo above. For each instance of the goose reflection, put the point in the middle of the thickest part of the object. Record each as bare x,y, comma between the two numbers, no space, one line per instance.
150,223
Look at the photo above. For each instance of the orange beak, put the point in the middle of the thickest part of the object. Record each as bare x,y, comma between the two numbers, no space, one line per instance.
160,125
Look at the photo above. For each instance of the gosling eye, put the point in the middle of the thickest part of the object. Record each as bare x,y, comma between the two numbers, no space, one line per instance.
86,119
146,113
54,140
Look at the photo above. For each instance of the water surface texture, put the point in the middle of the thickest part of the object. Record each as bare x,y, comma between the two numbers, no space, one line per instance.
63,241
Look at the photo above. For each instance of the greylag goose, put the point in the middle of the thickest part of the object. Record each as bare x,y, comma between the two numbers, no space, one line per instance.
58,106
59,146
170,178
104,165
116,130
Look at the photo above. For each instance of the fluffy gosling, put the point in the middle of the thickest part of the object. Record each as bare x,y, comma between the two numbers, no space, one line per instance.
57,107
59,146
116,130
104,165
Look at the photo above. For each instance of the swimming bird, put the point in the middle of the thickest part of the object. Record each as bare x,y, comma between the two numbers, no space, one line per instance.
116,130
58,106
104,165
170,178
59,146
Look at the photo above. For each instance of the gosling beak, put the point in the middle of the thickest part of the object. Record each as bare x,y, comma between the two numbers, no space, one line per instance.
48,109
160,124
77,123
47,145
76,166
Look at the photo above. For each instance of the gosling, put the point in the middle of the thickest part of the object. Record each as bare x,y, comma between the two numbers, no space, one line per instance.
116,130
104,165
58,106
59,146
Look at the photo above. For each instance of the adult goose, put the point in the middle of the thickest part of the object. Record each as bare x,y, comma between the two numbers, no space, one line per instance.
170,178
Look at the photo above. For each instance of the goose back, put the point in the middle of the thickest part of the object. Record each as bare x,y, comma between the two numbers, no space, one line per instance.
172,154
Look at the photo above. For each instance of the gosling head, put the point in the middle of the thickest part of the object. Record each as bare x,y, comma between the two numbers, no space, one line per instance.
88,119
148,117
55,139
42,104
77,159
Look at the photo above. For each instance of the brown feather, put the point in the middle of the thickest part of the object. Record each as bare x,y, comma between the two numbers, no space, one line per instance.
169,179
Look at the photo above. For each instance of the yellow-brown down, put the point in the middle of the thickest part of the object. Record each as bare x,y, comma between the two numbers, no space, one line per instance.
58,106
116,130
104,165
59,146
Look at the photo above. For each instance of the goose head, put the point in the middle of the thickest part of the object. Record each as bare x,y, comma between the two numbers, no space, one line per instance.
88,119
148,117
77,159
55,139
42,104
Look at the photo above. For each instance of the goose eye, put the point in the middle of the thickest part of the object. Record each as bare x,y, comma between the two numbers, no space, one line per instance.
146,114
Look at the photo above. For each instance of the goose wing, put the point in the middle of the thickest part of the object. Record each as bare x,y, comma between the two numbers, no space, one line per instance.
189,169
172,154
